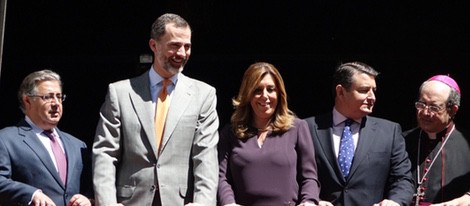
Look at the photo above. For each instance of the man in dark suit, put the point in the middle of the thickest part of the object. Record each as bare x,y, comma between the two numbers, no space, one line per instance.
39,164
378,170
136,162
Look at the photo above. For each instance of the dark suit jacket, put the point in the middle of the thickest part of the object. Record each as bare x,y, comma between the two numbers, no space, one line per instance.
380,168
25,166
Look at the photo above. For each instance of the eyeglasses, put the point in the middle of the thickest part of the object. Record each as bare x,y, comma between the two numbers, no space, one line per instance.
431,108
50,97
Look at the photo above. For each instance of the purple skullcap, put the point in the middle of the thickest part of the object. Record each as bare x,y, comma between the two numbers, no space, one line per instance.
446,79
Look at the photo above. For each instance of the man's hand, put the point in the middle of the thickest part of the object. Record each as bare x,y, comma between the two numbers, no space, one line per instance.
324,203
307,204
464,200
387,202
79,200
193,204
41,199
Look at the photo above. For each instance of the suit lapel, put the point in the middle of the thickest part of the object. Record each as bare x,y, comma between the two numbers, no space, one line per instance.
38,148
69,149
325,134
143,106
366,140
179,102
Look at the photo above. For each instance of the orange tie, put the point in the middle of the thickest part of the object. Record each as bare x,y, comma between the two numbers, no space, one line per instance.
160,114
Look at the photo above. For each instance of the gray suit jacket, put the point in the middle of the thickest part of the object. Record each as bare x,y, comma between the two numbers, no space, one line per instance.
125,165
380,169
25,166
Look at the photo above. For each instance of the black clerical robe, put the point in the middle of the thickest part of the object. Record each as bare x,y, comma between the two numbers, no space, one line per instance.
449,175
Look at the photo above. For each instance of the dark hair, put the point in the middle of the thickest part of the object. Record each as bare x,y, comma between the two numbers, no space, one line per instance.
158,27
344,73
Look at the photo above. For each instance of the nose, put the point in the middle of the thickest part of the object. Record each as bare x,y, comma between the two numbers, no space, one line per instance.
181,51
371,95
265,93
426,111
54,100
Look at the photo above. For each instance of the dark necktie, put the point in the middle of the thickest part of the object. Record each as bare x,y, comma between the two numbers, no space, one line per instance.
59,156
346,149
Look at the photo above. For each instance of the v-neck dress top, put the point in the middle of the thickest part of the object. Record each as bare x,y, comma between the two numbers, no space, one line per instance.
282,171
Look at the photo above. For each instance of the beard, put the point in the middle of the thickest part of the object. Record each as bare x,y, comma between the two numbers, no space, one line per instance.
167,64
173,70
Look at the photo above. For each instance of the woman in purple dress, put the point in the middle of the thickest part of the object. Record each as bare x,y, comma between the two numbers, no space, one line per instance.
266,155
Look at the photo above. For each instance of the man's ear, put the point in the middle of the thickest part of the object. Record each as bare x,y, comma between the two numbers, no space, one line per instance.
26,101
339,90
153,45
453,110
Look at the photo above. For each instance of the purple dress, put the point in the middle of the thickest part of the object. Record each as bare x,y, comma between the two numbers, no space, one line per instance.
282,171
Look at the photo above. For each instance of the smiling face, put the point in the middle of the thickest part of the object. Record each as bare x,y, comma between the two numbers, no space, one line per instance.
45,114
435,93
172,50
264,101
359,100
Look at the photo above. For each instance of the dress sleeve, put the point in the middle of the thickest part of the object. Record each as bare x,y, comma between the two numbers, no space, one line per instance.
225,192
307,167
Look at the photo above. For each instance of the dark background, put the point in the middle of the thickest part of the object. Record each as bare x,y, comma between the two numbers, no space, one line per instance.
94,43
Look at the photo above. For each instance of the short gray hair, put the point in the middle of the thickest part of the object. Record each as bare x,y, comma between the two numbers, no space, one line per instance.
30,82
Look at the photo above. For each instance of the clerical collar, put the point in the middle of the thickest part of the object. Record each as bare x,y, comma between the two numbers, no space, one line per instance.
443,133
421,177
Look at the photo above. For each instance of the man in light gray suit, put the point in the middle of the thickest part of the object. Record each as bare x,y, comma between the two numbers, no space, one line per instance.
128,166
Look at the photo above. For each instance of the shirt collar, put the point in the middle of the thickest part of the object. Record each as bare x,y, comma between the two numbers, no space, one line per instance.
339,118
34,127
155,78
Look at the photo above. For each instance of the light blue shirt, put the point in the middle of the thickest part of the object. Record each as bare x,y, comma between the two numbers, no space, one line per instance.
156,84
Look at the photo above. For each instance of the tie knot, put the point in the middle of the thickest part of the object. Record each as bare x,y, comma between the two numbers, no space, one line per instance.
49,134
348,122
165,82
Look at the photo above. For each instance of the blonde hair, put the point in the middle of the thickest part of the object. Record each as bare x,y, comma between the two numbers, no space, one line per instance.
242,117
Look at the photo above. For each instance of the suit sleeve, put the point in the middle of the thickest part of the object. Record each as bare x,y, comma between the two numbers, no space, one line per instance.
400,182
11,192
106,150
204,152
